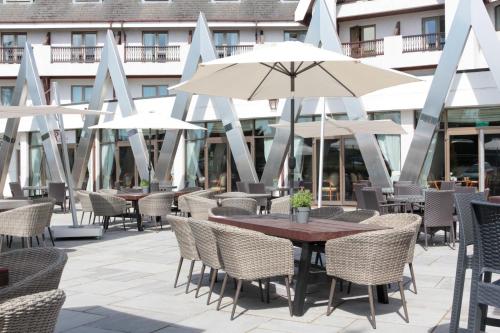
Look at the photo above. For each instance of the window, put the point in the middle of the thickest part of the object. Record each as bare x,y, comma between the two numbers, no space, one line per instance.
13,39
433,28
81,94
362,33
497,18
83,46
226,43
155,91
6,95
298,35
155,39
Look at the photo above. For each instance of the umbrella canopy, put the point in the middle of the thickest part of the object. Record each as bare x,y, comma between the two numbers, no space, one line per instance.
42,110
345,127
265,73
149,120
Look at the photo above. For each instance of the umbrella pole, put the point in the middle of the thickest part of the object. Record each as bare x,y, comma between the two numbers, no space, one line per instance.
149,162
321,156
291,158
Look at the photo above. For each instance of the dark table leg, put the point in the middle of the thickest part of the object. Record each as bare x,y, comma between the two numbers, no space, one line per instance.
135,204
301,285
382,295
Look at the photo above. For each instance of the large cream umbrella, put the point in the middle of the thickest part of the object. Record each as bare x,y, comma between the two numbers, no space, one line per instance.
289,70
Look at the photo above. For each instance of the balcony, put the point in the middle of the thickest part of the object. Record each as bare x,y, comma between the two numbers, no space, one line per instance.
11,55
420,43
368,48
72,54
230,50
152,53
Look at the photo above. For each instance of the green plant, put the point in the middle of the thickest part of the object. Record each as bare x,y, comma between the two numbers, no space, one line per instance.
302,199
144,183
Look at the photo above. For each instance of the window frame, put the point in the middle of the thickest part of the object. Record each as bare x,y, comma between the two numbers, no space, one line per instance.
83,87
157,89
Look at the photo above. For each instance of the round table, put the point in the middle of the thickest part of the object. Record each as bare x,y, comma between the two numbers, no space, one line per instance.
134,199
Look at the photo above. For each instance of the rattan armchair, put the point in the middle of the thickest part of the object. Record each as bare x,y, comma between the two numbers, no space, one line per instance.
370,258
356,216
32,271
280,205
49,216
157,205
57,191
228,211
249,255
326,212
438,213
83,197
199,206
401,221
187,245
108,206
25,222
373,201
31,313
243,203
17,191
182,203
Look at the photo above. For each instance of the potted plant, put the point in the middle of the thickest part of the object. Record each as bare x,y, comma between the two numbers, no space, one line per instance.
145,185
301,203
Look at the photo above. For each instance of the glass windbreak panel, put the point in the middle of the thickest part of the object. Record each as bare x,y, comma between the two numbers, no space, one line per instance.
330,187
355,169
474,117
126,166
303,173
195,163
390,145
262,127
6,95
215,129
492,163
217,166
262,149
464,157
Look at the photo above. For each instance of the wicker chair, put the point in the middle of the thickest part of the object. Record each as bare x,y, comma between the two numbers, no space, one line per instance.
464,262
357,189
49,216
187,245
228,211
242,187
243,203
356,216
486,262
438,212
182,204
157,205
465,189
401,221
31,313
17,191
249,255
407,189
447,185
199,206
110,191
259,188
25,222
373,202
108,206
327,212
32,271
280,205
83,197
370,258
57,191
154,187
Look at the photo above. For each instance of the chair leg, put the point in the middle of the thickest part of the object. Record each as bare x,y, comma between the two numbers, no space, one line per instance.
123,222
372,306
260,291
224,282
268,290
236,296
412,273
212,283
189,276
37,240
458,293
425,233
289,295
452,235
90,217
403,301
51,236
181,259
330,297
22,242
81,220
202,274
93,222
349,288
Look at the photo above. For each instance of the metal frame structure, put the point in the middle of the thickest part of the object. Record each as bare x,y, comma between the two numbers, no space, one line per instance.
202,49
28,83
110,70
322,33
469,15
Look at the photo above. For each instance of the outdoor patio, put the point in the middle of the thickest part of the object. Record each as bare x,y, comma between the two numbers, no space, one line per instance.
124,283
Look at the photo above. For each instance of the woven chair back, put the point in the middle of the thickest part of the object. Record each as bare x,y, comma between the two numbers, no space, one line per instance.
487,235
358,193
228,211
370,198
57,191
327,212
206,243
256,188
16,190
447,185
184,236
242,187
248,204
356,216
438,208
465,189
464,214
407,189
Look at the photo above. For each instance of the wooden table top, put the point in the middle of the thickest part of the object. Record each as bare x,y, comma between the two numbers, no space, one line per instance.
242,195
279,225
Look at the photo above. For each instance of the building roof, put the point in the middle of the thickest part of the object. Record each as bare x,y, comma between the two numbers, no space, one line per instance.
44,11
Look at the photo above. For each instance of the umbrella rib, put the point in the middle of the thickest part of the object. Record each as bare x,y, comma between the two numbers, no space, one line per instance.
275,68
297,71
314,64
333,77
284,69
263,79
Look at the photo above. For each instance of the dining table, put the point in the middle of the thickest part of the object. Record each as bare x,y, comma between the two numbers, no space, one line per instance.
309,237
134,199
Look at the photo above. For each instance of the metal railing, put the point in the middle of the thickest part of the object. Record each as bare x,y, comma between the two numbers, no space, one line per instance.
11,55
426,42
72,54
152,53
230,50
367,48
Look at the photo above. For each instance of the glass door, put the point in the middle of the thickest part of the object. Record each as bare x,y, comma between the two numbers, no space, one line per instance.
492,162
217,154
330,187
464,157
354,168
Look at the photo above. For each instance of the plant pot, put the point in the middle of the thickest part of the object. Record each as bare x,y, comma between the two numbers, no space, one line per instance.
302,214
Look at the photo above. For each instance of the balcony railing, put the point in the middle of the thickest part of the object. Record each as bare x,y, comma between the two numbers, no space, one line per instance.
420,43
230,50
11,55
71,54
367,48
152,53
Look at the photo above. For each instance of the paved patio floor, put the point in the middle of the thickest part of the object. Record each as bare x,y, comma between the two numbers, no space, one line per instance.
124,283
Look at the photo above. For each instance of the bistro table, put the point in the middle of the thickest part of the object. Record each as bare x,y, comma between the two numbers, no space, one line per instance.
307,236
38,188
134,199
